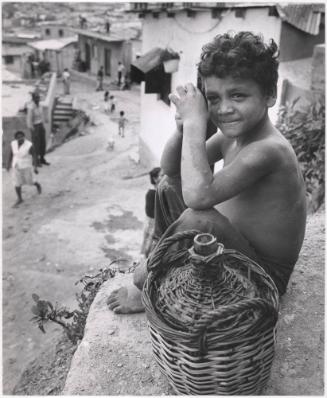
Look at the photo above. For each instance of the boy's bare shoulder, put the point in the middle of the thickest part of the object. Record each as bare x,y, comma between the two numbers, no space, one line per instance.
274,147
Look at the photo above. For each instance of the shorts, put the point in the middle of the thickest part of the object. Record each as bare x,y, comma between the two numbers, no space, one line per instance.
23,176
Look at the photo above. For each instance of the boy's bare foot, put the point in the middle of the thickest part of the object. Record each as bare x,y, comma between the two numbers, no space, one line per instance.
126,300
19,201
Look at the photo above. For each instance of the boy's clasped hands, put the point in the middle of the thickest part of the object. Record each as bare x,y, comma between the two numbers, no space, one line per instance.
191,107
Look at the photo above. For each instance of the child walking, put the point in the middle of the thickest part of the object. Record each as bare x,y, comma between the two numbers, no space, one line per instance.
121,124
22,158
106,102
112,103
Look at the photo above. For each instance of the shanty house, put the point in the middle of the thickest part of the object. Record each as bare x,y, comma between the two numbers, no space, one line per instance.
15,51
58,52
183,28
106,49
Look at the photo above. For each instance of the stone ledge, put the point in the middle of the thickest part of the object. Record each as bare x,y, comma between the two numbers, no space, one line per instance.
115,355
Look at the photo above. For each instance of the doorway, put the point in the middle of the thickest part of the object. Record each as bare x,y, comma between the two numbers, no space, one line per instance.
87,56
107,62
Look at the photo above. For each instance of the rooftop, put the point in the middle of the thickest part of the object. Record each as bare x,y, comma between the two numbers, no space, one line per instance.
53,44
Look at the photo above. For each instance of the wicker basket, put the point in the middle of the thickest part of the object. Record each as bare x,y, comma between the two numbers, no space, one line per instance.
212,317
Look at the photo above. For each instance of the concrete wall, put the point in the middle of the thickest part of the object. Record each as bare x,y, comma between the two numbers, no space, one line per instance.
188,35
16,66
47,105
296,44
54,31
318,80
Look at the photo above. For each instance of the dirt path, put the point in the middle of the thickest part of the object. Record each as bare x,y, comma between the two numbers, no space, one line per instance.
87,215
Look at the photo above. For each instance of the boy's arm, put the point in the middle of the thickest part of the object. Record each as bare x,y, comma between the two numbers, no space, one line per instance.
171,157
202,189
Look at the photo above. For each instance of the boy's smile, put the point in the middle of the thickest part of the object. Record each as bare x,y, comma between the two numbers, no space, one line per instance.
236,106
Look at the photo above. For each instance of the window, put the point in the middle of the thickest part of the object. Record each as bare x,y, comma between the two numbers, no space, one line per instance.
157,81
240,12
61,32
48,32
9,59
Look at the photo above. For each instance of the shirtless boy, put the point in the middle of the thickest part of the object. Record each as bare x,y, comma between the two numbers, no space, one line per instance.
256,202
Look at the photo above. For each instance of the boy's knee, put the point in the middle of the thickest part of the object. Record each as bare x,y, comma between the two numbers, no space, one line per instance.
209,220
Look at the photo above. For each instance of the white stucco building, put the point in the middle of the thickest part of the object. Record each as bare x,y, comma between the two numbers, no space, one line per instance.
186,27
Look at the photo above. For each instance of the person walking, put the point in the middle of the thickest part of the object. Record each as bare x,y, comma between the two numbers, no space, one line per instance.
21,159
66,81
121,69
35,124
100,79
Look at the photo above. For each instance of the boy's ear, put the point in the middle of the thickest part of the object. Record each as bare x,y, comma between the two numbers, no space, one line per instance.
271,99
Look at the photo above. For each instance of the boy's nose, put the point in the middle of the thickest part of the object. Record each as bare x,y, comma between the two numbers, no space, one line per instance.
225,107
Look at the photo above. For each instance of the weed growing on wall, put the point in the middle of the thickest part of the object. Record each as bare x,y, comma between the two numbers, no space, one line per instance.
73,322
306,132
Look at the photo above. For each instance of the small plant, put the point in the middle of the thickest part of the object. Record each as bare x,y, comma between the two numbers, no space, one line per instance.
73,322
306,132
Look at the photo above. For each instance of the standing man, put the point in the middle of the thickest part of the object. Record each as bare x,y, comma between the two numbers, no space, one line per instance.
22,158
121,69
36,127
100,79
66,81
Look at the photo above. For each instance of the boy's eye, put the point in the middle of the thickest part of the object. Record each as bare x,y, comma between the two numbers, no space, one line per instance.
213,100
238,96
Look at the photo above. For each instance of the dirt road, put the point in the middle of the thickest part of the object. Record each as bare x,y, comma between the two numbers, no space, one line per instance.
87,215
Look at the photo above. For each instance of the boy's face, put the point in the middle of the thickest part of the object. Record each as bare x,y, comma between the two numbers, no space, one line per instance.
236,106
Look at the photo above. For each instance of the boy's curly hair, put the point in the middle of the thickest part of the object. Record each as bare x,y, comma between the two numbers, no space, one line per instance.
242,55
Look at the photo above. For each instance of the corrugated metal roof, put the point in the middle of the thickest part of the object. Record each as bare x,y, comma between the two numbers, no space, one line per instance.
52,44
306,17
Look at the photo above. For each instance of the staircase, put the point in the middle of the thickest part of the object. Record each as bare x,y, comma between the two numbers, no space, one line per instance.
62,111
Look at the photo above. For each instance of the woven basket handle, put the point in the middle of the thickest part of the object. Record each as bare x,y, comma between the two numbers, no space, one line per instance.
157,257
268,313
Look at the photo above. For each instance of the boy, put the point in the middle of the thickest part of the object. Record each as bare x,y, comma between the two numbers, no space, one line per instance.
112,103
256,203
121,124
21,158
106,101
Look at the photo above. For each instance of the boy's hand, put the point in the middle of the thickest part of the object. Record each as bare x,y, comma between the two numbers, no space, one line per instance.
190,103
35,170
